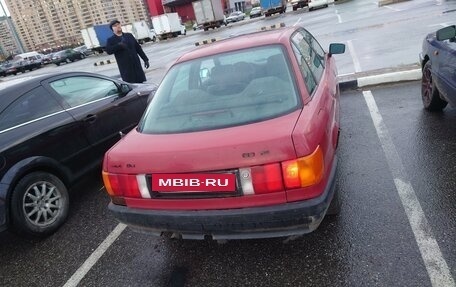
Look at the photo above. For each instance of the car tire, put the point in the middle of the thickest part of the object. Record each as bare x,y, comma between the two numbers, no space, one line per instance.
429,93
334,206
35,193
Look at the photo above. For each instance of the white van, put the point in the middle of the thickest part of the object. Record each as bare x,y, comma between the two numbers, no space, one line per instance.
33,57
30,60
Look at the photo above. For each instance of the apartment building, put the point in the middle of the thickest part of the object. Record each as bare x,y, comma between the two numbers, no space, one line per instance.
43,24
8,46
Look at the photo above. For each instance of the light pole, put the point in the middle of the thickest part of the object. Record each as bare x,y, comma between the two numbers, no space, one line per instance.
13,30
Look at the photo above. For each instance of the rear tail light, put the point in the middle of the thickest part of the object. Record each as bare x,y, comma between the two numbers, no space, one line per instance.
304,171
297,173
121,185
267,178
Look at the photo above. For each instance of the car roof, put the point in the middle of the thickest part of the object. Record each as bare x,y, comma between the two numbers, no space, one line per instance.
250,40
10,90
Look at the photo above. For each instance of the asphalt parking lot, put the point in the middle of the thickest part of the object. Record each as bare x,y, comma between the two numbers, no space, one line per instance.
374,241
395,175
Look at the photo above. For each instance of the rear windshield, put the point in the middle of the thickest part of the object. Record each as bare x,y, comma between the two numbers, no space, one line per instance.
223,90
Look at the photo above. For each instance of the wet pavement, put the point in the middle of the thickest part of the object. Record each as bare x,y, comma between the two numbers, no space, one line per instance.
370,243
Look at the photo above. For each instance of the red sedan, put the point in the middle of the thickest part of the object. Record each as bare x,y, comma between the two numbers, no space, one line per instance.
239,142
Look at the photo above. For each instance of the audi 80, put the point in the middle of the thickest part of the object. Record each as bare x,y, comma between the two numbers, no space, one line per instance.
240,141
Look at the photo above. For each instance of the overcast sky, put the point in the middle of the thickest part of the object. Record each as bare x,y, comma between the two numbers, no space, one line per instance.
4,6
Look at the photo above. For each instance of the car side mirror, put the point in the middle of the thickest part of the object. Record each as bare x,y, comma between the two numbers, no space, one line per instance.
124,89
336,48
446,33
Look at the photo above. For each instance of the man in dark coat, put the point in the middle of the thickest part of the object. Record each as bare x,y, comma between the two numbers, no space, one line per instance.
126,50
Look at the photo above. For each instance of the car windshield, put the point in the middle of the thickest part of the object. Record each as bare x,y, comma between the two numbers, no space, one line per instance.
223,90
234,14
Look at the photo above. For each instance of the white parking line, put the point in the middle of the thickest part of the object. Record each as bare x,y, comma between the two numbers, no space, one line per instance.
394,9
440,24
436,266
297,22
354,57
95,256
338,16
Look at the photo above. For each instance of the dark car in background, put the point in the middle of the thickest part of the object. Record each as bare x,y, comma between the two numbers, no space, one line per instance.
299,4
2,71
13,68
66,56
53,130
83,49
438,63
47,59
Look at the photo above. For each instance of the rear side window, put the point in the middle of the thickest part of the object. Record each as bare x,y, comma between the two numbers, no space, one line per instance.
31,106
310,57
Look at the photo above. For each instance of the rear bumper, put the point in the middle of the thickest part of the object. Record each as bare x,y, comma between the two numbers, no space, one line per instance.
294,218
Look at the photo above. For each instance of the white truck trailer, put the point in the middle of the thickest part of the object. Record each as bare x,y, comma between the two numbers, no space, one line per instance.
141,31
168,25
209,14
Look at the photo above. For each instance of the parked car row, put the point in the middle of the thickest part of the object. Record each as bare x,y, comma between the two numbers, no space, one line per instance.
67,56
32,60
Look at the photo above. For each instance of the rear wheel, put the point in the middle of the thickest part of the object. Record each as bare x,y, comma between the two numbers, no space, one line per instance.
39,204
429,93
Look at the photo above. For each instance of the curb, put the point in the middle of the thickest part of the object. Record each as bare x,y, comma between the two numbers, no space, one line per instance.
106,62
272,27
385,78
205,42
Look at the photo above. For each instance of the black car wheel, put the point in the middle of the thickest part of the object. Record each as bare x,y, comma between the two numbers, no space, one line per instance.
429,93
39,204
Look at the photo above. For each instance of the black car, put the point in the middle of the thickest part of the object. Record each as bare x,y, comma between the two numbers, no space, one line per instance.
67,56
53,130
12,68
83,49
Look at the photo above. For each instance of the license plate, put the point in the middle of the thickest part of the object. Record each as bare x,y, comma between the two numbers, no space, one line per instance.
194,182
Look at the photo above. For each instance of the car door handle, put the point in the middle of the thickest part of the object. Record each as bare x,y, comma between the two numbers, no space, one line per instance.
90,119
